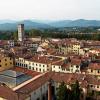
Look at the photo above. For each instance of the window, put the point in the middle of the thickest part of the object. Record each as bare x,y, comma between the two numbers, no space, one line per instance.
17,64
77,66
0,65
40,65
34,93
22,65
77,70
5,59
0,60
68,69
33,68
10,62
33,64
53,66
43,65
10,58
91,70
71,65
36,64
97,86
29,67
98,71
6,64
26,65
71,70
91,85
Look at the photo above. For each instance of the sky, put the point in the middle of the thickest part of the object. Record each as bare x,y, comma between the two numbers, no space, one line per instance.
50,9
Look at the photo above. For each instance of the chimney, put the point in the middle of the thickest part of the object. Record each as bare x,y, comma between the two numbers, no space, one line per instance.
49,91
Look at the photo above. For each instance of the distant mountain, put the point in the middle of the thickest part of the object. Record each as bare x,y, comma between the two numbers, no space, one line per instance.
31,24
7,21
62,23
42,21
84,23
73,23
28,25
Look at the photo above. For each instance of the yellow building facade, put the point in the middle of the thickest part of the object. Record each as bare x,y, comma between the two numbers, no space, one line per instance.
6,63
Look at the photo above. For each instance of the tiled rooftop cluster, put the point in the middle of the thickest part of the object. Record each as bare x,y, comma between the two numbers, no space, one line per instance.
58,60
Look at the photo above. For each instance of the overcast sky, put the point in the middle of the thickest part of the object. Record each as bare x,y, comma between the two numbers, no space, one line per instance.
50,9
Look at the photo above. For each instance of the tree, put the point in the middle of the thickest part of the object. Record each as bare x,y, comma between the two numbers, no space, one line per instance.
34,32
62,92
76,91
15,35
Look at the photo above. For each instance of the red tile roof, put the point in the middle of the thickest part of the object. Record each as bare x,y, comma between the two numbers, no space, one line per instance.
75,61
26,71
94,66
7,93
44,59
33,86
68,78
